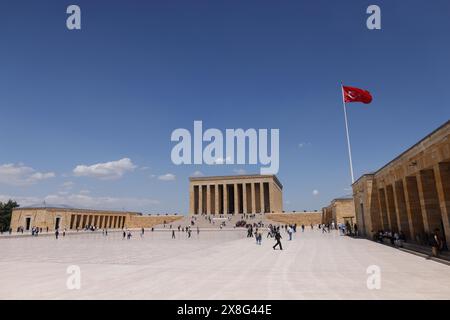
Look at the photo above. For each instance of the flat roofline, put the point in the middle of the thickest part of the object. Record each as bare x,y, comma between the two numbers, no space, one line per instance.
342,199
415,145
407,150
242,176
76,210
362,176
296,212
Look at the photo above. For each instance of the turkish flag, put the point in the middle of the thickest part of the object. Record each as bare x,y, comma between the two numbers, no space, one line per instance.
352,94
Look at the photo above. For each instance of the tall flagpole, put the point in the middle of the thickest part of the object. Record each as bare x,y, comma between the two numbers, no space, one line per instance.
346,130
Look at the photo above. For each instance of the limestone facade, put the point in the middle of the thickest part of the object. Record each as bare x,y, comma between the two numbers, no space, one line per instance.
306,218
235,194
409,194
144,221
340,210
71,219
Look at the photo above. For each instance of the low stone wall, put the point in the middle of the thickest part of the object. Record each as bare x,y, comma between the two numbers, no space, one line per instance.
296,218
149,221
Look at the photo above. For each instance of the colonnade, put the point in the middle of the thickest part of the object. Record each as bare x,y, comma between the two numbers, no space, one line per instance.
97,220
230,198
415,204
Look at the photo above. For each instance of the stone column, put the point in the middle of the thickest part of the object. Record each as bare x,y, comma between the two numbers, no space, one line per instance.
216,199
429,200
191,200
236,198
442,175
253,197
208,199
271,197
225,199
412,208
412,227
400,208
391,208
244,197
261,197
383,209
200,199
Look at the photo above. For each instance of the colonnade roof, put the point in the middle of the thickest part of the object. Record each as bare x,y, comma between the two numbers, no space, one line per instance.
236,177
75,210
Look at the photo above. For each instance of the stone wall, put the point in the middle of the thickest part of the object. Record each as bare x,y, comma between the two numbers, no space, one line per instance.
149,221
411,193
305,218
71,219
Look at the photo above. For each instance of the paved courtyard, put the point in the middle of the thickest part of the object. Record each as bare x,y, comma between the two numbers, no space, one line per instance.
214,265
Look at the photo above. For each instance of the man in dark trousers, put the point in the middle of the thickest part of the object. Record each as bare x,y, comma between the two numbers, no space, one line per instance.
278,238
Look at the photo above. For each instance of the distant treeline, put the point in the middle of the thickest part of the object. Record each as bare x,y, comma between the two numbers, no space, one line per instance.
5,213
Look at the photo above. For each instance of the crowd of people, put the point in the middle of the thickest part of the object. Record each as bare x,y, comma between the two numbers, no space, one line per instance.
398,238
256,230
272,232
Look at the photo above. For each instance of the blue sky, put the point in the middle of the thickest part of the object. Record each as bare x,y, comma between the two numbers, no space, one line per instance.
117,88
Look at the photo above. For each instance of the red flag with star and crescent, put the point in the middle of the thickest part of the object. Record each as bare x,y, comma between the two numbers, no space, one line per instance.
352,94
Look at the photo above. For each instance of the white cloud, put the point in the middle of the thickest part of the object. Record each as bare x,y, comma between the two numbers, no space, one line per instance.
304,144
167,177
85,201
21,175
197,174
67,184
22,201
315,192
84,191
106,170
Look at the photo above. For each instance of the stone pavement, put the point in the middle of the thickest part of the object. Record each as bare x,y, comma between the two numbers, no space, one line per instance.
214,265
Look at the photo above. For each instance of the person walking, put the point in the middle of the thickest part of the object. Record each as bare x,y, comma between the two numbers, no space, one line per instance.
437,243
173,234
259,237
64,232
124,235
278,238
56,233
289,230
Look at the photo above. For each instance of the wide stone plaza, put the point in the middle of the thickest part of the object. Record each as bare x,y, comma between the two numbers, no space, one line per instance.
214,265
